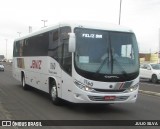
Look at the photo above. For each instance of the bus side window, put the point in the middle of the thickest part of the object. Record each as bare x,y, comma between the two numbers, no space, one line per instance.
53,44
15,52
21,49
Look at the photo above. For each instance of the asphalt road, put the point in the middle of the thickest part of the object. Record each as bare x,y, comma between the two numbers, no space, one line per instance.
149,86
17,104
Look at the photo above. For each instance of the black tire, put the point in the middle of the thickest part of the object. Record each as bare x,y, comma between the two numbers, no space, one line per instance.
54,93
154,78
24,85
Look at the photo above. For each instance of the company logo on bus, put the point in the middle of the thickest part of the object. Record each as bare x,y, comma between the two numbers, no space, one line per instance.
36,64
109,77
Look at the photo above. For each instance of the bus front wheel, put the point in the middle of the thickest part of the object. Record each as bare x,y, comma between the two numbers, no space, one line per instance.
24,85
54,94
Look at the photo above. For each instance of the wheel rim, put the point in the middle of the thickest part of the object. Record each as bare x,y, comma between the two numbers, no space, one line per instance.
54,93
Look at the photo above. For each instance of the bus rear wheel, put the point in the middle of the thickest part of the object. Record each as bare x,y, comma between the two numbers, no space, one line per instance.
54,94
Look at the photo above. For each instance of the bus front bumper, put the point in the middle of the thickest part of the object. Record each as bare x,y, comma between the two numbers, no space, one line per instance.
89,97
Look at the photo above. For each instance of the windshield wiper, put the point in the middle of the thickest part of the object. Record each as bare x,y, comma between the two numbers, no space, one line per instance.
122,69
102,64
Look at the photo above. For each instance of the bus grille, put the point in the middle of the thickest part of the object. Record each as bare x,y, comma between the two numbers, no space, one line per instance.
109,90
101,98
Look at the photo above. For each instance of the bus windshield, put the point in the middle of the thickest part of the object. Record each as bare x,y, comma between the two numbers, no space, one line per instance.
106,53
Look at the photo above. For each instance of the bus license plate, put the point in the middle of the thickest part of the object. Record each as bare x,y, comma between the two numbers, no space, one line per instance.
109,98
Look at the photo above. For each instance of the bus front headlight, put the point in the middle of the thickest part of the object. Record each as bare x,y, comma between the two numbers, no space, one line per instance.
133,88
82,86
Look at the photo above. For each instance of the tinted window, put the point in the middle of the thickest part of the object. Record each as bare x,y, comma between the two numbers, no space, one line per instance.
15,50
102,53
53,44
66,60
38,45
34,46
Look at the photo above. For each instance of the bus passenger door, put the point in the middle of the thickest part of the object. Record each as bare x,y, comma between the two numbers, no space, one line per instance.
66,72
55,56
66,63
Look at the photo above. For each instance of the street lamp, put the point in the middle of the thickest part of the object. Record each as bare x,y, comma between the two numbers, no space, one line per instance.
19,34
44,21
120,12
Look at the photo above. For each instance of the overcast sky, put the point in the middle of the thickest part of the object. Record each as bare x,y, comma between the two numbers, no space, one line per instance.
143,16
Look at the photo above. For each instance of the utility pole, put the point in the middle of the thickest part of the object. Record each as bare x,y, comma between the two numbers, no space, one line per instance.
159,45
44,21
6,48
120,12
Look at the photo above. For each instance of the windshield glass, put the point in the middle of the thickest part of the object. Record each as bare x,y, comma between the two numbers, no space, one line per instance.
156,66
106,52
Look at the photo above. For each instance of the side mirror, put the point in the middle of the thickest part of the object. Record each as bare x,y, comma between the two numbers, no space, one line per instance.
72,42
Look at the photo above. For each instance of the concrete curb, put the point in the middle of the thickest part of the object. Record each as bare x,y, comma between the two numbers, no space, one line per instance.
150,93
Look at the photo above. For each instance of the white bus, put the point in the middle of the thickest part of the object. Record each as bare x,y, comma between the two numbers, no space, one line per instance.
80,63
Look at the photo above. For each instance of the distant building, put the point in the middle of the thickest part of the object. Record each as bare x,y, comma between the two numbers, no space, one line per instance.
149,57
1,57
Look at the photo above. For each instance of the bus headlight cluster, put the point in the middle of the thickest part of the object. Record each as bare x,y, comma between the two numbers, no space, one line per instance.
133,88
82,86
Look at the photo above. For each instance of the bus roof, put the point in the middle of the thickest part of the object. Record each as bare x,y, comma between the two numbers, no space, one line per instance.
89,25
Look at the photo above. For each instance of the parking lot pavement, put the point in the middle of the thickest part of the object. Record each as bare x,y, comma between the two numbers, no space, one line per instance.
150,88
4,114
